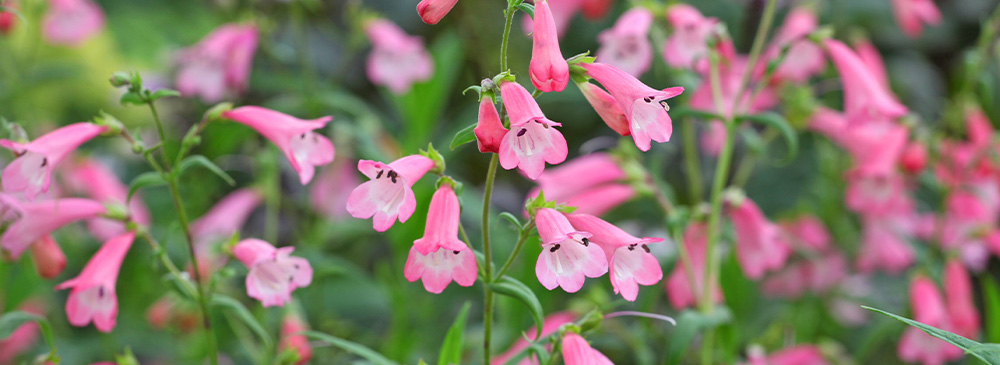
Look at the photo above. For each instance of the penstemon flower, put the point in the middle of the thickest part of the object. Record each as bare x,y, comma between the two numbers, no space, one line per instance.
631,263
296,138
760,245
23,337
961,305
274,274
689,41
292,339
432,11
48,256
219,224
928,308
489,128
864,97
804,58
567,257
532,141
34,220
679,289
398,60
626,45
439,268
576,351
548,69
606,107
31,172
913,14
645,107
98,182
442,223
389,193
93,297
333,186
71,22
591,183
219,65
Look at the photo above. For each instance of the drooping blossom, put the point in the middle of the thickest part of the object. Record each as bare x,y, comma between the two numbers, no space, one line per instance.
914,158
432,11
93,297
439,268
865,98
296,138
219,65
489,129
630,261
644,107
532,140
548,69
34,220
441,231
71,22
292,339
95,180
567,257
274,274
48,257
549,326
626,45
389,193
333,186
576,351
602,199
883,248
961,307
606,107
871,58
590,183
398,60
879,196
24,336
804,58
913,14
679,289
760,244
31,172
968,162
929,309
796,355
689,41
219,224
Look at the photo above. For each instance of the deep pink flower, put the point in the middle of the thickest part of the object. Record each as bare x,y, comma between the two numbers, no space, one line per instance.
219,224
274,274
548,69
389,193
882,248
489,129
797,355
34,220
588,182
913,14
864,97
93,296
296,138
530,145
960,302
437,269
878,195
432,11
626,45
441,231
602,199
31,172
562,13
679,290
70,22
645,107
966,220
689,41
928,308
219,65
397,60
606,107
576,351
24,336
804,58
48,256
760,245
914,157
815,274
333,187
595,9
521,107
7,21
807,232
567,257
631,263
98,182
549,326
873,60
291,338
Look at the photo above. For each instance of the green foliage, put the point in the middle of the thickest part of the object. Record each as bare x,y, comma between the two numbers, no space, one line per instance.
513,288
451,349
989,353
466,135
352,347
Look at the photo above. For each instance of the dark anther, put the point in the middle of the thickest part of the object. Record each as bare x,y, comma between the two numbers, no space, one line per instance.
456,252
100,292
663,103
45,161
586,242
554,248
648,99
392,176
379,176
291,278
522,132
296,266
303,136
631,247
645,248
545,125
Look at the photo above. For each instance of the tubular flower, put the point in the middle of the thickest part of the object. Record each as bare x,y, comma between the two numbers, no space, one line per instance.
48,256
631,263
626,45
97,181
567,257
679,288
913,14
296,138
645,107
882,248
960,303
549,326
219,65
389,193
219,224
576,351
93,296
587,183
441,231
274,274
437,269
804,58
31,172
760,244
864,97
606,107
521,107
292,339
689,41
432,11
70,22
531,141
928,308
548,69
397,60
489,129
35,220
807,232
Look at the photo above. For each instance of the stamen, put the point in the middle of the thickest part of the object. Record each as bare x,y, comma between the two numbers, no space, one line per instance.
379,174
302,136
585,242
631,247
456,252
648,99
641,314
554,248
45,161
522,132
645,248
291,278
665,106
100,292
392,175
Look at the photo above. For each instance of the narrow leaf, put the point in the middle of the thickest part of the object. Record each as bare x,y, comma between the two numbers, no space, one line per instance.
162,93
463,136
775,120
511,287
144,180
131,98
352,347
991,299
199,160
512,219
237,308
986,353
527,8
451,349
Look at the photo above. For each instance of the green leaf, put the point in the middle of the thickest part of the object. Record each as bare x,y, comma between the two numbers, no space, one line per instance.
527,8
689,324
237,308
162,93
989,353
463,136
199,160
144,180
10,321
511,287
352,347
775,120
451,349
181,285
512,219
131,98
991,301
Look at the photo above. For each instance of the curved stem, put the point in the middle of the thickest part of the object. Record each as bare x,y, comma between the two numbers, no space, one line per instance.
521,239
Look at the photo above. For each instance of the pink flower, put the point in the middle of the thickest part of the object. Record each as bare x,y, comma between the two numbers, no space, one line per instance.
432,11
626,46
882,248
576,351
760,245
914,158
31,172
24,336
35,220
397,60
219,224
960,303
567,257
389,193
966,219
521,106
332,187
595,9
296,138
873,60
587,182
489,130
679,290
628,256
928,308
864,97
815,274
7,21
442,223
913,14
804,58
548,69
600,200
807,232
93,296
437,269
70,22
689,41
48,256
645,107
549,326
532,141
219,65
878,195
291,339
274,274
797,355
606,107
562,13
97,181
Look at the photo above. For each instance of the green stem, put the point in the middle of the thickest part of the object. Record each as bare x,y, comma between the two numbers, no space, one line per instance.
163,135
521,239
488,259
506,35
691,161
758,46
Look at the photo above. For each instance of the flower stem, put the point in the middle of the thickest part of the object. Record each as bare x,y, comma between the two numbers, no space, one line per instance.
691,162
488,259
521,239
506,35
758,46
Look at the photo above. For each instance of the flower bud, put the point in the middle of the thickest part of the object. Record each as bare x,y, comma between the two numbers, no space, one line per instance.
914,158
490,130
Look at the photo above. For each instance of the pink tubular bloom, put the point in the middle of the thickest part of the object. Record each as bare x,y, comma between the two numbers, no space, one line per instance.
606,107
960,306
48,256
34,220
873,60
626,45
864,97
576,351
397,60
567,257
389,193
532,141
70,22
219,65
441,231
679,288
631,263
548,69
807,232
600,200
432,11
804,58
93,296
816,275
913,14
273,273
333,186
489,130
98,182
296,138
291,339
31,172
928,308
588,183
219,224
881,248
437,269
760,244
645,107
798,355
521,107
549,326
689,41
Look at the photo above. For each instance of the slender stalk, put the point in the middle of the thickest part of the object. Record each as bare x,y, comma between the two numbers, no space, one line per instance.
488,259
163,135
758,46
691,161
506,36
521,239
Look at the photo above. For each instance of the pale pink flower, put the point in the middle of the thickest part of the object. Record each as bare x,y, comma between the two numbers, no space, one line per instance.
548,69
814,274
31,172
760,244
296,138
93,297
602,199
567,257
645,107
437,269
966,221
807,232
219,224
98,182
631,263
274,274
626,45
71,22
432,11
678,286
961,307
389,193
530,145
291,338
333,186
576,351
549,326
797,355
804,58
397,60
24,336
864,97
929,309
34,220
489,129
441,231
689,41
219,65
606,107
878,195
969,162
588,182
913,14
48,257
882,248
